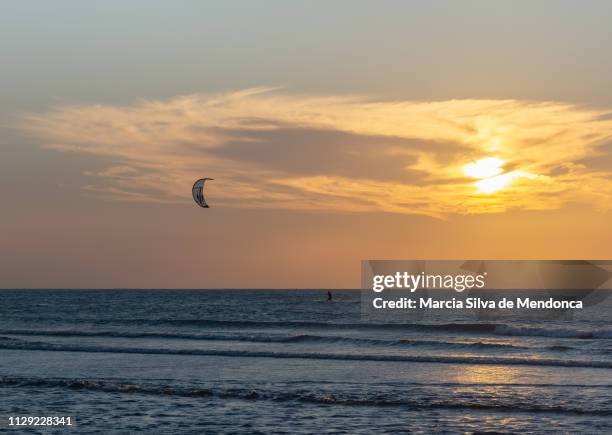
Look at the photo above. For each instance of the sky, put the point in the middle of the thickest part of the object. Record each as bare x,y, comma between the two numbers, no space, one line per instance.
335,132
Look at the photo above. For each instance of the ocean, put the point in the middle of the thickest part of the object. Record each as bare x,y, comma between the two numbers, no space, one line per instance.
255,361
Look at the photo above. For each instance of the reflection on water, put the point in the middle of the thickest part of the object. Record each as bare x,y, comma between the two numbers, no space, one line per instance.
153,360
480,374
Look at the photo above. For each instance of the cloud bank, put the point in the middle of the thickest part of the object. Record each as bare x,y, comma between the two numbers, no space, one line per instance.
270,149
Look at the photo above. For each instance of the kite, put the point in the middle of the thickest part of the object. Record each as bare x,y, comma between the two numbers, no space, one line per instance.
198,192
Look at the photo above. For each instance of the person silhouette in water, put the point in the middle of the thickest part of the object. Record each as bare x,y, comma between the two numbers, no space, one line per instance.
329,296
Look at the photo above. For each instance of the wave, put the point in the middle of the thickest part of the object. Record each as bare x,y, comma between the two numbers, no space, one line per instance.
267,338
15,344
534,331
422,400
466,328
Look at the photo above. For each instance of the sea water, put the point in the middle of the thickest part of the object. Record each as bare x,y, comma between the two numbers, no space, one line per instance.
185,361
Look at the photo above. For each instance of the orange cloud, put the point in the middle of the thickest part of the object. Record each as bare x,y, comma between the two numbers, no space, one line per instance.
266,148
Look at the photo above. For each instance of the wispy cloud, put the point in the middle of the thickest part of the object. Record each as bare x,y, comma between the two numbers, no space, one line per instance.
267,148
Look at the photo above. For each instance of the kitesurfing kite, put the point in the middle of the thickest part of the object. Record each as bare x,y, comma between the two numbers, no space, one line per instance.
198,192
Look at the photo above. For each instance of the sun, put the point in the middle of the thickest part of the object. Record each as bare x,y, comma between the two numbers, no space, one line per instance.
491,176
493,184
484,168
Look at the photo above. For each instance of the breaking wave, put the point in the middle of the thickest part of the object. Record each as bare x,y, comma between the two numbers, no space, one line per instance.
319,397
464,328
11,343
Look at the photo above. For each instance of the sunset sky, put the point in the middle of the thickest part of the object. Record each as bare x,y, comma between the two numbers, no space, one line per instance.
335,132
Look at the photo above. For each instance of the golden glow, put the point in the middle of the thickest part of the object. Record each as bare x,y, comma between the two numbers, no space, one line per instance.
488,374
159,147
493,184
484,168
490,173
